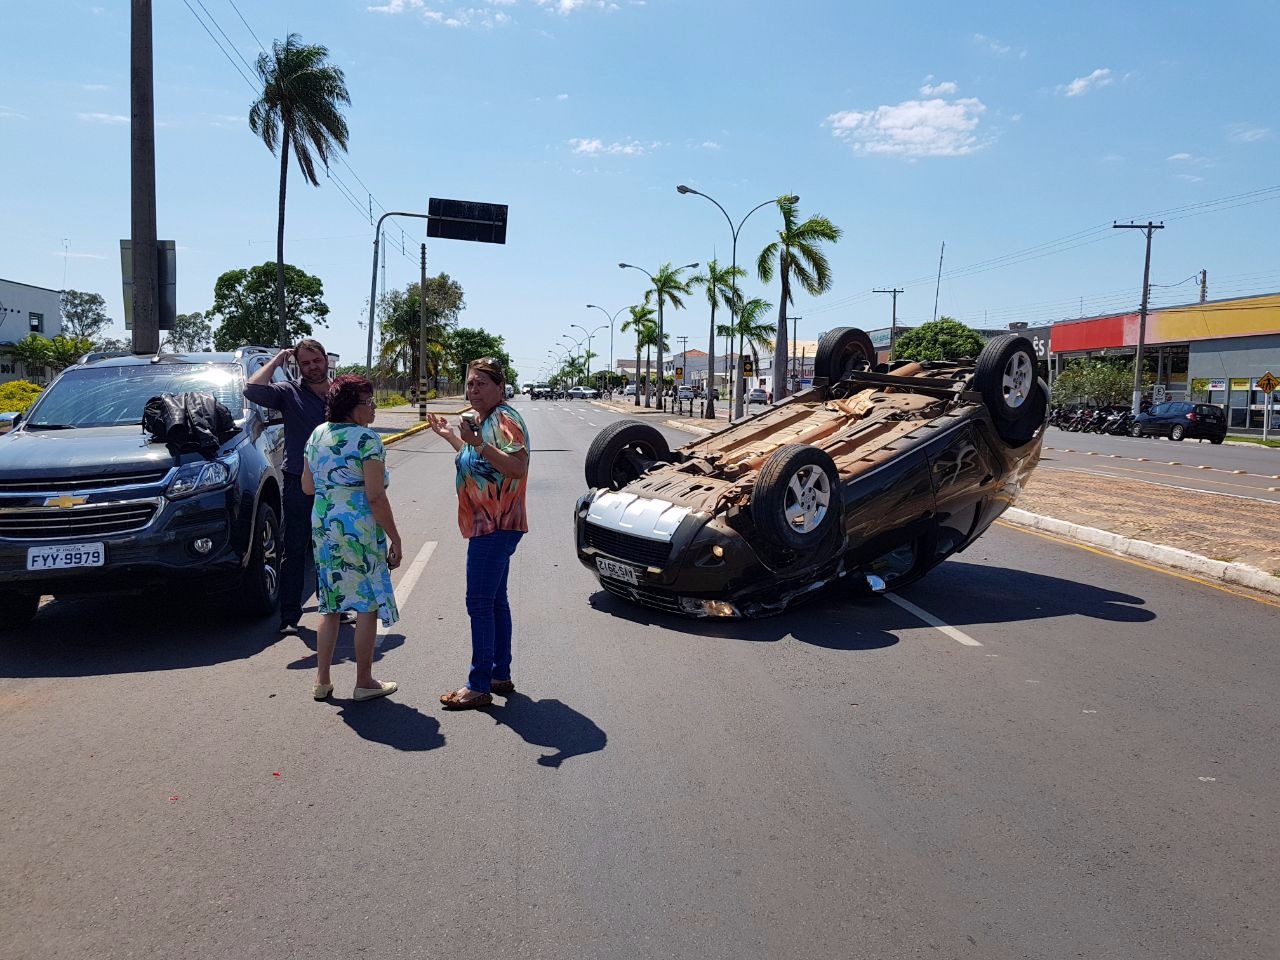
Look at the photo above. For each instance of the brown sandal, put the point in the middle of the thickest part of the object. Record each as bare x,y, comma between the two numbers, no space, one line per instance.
464,699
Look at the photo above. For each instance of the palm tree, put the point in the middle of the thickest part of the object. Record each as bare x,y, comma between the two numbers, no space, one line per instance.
799,259
300,110
667,288
754,330
720,289
649,334
641,315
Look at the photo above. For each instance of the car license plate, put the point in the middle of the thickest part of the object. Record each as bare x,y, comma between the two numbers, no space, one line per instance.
616,570
66,555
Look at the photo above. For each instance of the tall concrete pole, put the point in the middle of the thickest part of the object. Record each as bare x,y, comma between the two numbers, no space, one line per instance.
422,338
1148,228
142,167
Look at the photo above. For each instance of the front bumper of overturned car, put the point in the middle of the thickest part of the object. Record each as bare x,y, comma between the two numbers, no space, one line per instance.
697,567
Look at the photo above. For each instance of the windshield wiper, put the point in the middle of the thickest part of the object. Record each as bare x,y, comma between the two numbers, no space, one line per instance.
50,426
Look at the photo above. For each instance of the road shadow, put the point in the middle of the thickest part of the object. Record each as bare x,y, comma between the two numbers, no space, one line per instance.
132,634
396,724
345,651
551,724
958,593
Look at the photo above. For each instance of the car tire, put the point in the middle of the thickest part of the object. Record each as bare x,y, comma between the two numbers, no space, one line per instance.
796,503
622,452
1177,432
19,609
839,350
260,587
1005,376
1135,430
1216,440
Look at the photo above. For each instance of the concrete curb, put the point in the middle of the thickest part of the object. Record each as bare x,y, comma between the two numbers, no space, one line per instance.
1240,574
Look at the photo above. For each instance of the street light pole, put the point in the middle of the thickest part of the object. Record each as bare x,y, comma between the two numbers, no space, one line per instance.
658,293
592,306
733,306
590,334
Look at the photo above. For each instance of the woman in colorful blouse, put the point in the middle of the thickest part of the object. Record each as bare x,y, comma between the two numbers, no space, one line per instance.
492,461
352,529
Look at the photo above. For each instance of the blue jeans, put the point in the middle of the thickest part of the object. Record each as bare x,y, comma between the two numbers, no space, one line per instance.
488,562
297,547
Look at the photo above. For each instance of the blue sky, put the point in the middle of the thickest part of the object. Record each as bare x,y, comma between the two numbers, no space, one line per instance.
1014,132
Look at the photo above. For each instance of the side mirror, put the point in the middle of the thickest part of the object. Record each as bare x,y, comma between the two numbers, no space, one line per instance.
9,420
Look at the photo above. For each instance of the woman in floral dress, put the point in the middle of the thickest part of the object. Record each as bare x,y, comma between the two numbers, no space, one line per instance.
354,534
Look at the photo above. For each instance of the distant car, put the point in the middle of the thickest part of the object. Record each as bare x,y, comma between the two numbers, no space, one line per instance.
757,395
1180,419
869,479
629,390
582,393
540,391
684,393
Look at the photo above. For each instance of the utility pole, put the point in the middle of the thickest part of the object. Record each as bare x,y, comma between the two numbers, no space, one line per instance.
142,169
795,335
422,338
1204,285
893,324
937,289
1149,229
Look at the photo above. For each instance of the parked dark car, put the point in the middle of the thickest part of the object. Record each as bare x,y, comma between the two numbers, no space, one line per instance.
1179,419
90,504
871,478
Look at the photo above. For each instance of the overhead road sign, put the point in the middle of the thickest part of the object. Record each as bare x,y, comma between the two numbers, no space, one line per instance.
467,220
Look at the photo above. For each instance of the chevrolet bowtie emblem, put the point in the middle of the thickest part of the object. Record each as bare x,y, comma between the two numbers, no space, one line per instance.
65,502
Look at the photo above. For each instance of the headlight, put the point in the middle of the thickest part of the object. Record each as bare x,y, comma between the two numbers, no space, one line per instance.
203,475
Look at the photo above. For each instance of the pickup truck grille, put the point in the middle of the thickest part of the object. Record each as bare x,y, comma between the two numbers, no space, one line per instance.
649,598
628,547
87,522
101,482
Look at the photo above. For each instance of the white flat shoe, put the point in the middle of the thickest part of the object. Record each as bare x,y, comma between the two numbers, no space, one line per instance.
321,691
371,693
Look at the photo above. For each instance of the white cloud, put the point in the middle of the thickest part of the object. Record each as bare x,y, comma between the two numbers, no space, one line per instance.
76,256
937,89
396,6
10,113
594,147
1082,85
1247,133
562,96
1190,160
1179,156
710,145
913,128
94,87
1190,178
996,47
109,118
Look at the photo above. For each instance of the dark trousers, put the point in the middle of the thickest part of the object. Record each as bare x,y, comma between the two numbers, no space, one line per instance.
488,562
297,548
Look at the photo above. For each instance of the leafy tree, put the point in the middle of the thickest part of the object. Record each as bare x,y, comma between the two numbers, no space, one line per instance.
719,284
17,395
112,344
465,344
83,314
641,316
243,304
191,332
1096,382
37,352
299,109
667,288
401,324
755,330
941,339
800,260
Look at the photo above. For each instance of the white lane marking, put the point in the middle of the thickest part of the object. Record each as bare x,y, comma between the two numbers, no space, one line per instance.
406,585
933,621
590,424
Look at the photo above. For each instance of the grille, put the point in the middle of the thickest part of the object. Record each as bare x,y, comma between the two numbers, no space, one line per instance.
102,482
625,546
648,598
103,521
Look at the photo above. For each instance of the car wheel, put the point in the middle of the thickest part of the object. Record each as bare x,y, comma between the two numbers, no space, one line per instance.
1135,430
261,583
839,352
622,452
1216,440
19,609
796,501
1006,377
1177,432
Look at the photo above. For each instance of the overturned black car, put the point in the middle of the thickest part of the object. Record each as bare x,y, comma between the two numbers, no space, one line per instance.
872,477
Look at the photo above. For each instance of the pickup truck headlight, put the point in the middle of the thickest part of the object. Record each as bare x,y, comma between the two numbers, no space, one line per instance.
203,475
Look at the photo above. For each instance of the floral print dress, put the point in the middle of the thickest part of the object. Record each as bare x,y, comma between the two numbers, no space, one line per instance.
351,549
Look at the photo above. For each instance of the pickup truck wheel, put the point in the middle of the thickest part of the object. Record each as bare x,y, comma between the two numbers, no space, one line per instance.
622,452
19,609
261,586
796,501
840,350
1005,375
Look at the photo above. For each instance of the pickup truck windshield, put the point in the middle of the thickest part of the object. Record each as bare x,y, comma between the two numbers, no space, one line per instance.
111,396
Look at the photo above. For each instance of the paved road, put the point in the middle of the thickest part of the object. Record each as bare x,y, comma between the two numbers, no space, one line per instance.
1082,763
